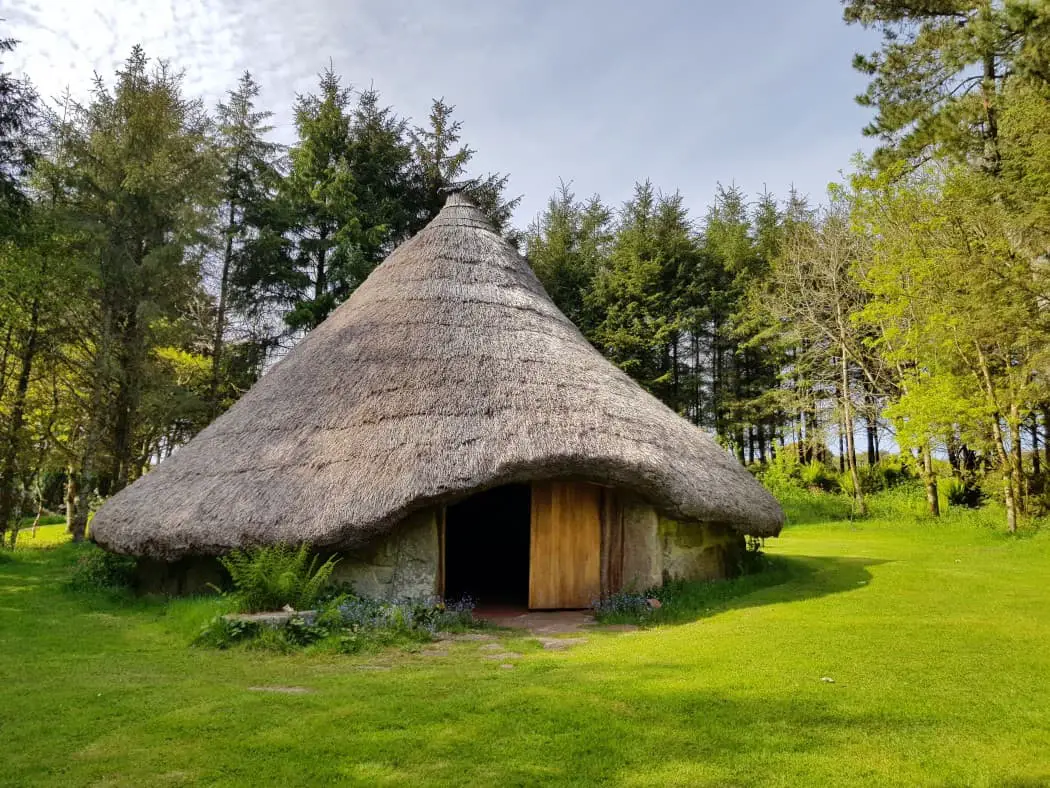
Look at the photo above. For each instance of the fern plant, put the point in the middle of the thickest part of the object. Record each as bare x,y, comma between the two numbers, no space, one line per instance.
268,578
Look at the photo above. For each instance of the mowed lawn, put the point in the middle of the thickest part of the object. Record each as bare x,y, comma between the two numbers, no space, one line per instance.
936,637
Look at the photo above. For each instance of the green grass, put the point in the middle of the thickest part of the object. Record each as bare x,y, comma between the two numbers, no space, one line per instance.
937,636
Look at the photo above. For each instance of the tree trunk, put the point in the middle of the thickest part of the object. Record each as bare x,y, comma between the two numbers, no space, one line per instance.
1046,434
851,450
81,510
1009,484
999,440
1034,429
220,317
1017,459
71,497
39,514
4,357
872,434
842,448
675,391
126,403
929,482
9,462
989,91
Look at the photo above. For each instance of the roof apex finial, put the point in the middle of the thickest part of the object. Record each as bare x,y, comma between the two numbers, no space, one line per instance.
458,187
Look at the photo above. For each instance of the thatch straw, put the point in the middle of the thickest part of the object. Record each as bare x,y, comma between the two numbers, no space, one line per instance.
448,371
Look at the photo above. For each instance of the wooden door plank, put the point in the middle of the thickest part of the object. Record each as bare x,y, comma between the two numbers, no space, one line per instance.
565,549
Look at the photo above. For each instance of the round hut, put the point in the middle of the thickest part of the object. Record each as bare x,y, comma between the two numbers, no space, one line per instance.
449,431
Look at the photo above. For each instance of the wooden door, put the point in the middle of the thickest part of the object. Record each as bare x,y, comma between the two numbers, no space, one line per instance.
565,549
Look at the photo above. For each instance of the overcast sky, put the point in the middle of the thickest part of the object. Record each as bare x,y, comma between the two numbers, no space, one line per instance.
597,92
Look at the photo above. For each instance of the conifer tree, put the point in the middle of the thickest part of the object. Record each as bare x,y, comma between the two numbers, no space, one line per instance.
566,245
319,199
18,113
638,292
250,179
140,175
937,81
441,165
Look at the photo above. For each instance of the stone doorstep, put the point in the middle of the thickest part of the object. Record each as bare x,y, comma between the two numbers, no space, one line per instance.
274,619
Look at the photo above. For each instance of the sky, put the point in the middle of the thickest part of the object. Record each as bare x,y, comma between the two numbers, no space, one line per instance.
598,93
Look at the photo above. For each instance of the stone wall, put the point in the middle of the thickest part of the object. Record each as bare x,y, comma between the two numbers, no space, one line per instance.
699,551
401,566
656,550
642,555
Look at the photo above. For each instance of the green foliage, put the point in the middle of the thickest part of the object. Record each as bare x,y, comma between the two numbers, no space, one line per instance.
268,578
222,633
441,163
817,475
963,492
19,110
344,624
566,245
936,81
100,570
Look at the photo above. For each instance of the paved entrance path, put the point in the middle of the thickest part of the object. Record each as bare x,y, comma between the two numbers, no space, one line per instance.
550,622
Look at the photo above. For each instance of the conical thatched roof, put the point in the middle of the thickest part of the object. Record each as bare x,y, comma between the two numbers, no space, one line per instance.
447,371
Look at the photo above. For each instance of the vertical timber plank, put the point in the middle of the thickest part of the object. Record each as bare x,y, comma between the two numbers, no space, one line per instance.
565,550
612,543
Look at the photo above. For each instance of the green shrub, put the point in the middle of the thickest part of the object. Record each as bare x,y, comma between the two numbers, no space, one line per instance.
268,578
844,482
781,473
221,633
891,471
753,558
345,624
963,492
99,570
816,475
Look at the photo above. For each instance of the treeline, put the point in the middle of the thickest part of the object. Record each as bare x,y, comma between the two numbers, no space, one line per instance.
917,298
669,302
155,254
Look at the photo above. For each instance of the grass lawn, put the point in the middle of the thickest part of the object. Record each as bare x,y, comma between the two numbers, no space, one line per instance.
937,637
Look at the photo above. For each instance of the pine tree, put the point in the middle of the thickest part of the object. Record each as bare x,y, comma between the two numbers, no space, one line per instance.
18,113
380,156
441,165
140,177
319,199
250,179
937,81
638,292
566,245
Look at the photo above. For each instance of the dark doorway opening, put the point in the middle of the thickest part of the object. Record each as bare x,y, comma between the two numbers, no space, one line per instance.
487,547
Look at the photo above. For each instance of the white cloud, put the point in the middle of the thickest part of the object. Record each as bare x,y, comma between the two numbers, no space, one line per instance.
595,91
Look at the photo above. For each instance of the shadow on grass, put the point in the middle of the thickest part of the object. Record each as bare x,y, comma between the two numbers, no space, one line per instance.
784,579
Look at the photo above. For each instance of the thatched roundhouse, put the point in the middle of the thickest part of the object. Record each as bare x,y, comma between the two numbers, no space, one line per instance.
449,430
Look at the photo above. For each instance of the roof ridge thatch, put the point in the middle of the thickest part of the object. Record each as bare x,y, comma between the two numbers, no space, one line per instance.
447,371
